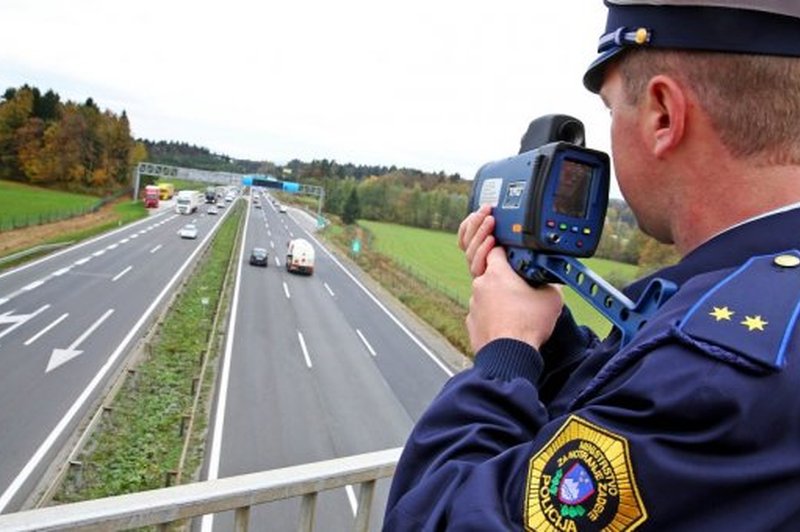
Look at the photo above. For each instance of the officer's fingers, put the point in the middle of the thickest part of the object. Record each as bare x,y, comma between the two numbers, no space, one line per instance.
481,233
478,263
468,227
496,260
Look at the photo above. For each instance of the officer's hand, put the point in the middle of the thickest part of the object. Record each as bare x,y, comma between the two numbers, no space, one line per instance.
476,240
503,305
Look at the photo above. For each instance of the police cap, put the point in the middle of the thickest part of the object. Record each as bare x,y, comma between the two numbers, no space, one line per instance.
770,27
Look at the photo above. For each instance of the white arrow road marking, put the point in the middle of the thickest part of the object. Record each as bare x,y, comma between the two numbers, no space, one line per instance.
120,274
19,319
369,347
60,356
43,331
303,347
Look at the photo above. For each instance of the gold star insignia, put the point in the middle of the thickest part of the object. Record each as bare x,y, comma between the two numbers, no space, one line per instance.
754,323
722,313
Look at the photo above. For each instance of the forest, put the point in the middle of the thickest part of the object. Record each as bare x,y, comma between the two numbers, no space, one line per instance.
70,146
76,147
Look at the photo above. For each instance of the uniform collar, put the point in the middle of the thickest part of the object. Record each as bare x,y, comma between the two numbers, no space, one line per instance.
771,232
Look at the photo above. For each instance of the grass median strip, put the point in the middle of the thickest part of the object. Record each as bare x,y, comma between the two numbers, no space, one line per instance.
138,444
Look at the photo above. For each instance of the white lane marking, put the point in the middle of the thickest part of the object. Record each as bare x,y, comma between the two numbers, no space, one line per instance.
272,244
86,393
224,381
286,290
134,236
328,288
269,233
369,347
156,248
304,348
82,261
72,248
143,231
124,240
112,246
4,300
43,331
120,274
35,284
61,356
386,311
61,272
7,317
351,496
277,262
98,253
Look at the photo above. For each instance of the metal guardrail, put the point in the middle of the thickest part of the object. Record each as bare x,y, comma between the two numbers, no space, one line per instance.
33,250
170,505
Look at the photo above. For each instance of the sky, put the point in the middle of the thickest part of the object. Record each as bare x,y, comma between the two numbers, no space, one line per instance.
436,85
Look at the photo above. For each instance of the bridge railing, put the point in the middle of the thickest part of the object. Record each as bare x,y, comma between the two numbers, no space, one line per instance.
166,506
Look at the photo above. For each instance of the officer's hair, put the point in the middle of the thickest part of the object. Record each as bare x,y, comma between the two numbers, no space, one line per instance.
752,100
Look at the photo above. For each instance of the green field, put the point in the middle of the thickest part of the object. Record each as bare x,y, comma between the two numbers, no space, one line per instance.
25,205
435,257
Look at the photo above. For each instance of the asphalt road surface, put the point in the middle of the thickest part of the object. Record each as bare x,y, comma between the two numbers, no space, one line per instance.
315,368
66,323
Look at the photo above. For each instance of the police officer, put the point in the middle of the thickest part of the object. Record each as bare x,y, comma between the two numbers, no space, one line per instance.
694,424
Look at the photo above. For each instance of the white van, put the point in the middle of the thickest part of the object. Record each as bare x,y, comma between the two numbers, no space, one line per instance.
300,256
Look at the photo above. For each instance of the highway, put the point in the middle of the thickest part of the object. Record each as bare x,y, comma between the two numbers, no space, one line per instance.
315,368
66,323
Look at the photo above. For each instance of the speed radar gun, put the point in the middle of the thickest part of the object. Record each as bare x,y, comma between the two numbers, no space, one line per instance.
549,203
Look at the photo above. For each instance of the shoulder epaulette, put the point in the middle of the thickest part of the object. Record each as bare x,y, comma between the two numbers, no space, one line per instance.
752,312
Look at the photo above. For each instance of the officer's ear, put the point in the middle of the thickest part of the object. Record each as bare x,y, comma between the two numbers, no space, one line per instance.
665,108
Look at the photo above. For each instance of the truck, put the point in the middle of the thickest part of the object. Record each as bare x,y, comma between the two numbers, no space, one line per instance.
211,194
188,201
151,196
300,257
167,190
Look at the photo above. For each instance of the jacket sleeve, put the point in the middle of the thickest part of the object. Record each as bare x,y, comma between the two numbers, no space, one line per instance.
488,455
478,415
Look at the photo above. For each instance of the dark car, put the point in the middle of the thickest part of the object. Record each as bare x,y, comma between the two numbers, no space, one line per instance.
258,257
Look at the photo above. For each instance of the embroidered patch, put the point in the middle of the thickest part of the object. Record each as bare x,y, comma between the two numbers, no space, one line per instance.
582,480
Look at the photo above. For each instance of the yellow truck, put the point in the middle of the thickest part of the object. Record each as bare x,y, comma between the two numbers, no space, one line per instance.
167,190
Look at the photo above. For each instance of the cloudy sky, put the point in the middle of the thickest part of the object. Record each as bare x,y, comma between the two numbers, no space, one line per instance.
428,84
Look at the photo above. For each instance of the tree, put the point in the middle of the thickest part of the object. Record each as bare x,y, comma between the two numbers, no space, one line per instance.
352,210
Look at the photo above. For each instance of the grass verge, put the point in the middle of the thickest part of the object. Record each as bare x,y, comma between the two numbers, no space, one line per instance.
425,269
138,444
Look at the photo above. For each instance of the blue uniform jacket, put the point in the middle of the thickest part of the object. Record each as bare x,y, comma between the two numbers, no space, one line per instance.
694,425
